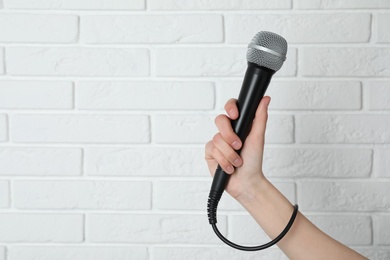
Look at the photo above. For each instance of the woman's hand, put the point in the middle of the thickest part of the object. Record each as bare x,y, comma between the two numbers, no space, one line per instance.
246,169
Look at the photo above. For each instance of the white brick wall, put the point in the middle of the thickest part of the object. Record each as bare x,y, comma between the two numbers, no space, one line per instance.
105,107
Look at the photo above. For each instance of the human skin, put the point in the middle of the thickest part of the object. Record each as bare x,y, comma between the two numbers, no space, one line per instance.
267,205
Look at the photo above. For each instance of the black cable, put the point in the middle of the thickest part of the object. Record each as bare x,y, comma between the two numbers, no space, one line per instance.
212,215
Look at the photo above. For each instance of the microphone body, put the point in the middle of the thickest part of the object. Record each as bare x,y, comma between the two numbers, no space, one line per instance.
266,54
256,81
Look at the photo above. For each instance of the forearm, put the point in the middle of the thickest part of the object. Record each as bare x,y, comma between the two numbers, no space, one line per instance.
304,240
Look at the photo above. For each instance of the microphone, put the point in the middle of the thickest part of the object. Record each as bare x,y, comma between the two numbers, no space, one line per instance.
266,54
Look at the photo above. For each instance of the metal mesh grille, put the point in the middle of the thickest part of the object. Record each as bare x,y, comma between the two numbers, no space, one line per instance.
271,41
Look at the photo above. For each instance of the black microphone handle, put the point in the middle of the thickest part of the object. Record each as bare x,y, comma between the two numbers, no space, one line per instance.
253,88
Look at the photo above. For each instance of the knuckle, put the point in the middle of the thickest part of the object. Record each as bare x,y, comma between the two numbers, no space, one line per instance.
216,138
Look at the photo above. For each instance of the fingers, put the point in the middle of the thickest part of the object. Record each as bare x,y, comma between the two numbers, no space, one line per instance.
221,152
231,108
224,126
222,149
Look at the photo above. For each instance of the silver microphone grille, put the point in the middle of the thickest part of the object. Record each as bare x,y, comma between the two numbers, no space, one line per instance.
268,50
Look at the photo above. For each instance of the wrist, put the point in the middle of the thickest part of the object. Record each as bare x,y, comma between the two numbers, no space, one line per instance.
255,192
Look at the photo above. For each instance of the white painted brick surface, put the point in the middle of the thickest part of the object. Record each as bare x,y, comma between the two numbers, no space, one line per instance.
344,196
151,161
383,34
382,162
147,29
49,228
82,195
40,28
333,61
318,163
2,62
3,128
4,195
76,4
219,5
2,249
105,108
382,227
80,128
209,62
345,4
340,27
287,95
145,95
189,195
36,94
161,229
77,253
216,253
200,129
379,95
343,129
41,61
30,161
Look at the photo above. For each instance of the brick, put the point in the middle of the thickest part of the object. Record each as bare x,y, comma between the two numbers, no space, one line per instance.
177,29
78,61
346,4
77,252
145,95
38,28
343,128
192,195
318,95
80,128
40,161
214,253
381,162
245,230
183,128
348,229
379,95
318,163
2,249
4,195
2,61
82,195
3,128
145,161
219,5
201,129
382,227
48,228
336,61
209,62
382,28
167,229
301,28
344,196
76,4
36,94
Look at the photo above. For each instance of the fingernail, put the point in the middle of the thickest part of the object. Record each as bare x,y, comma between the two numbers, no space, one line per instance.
236,145
230,169
237,162
232,113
